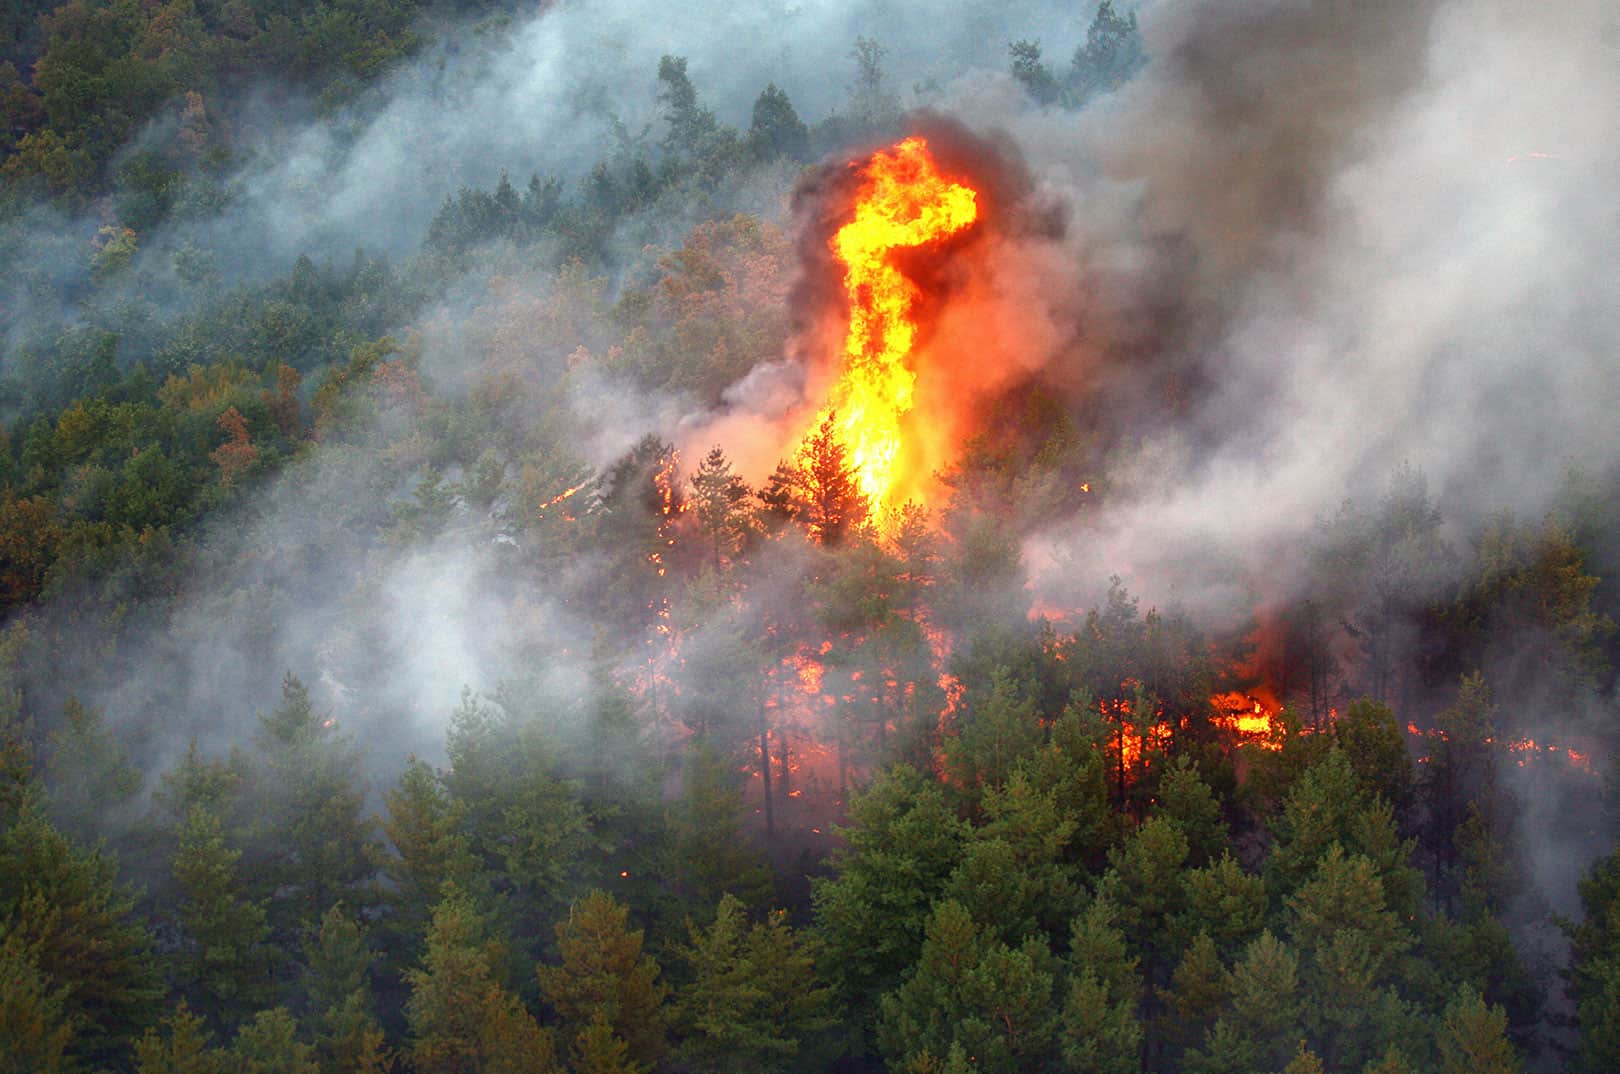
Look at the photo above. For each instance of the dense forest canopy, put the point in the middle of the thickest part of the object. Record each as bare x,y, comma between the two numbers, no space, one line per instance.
447,623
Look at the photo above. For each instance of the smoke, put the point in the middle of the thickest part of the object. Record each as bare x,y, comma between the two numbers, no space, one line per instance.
1357,236
1310,242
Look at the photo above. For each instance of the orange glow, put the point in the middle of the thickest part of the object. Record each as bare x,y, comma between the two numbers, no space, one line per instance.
903,202
560,497
1248,715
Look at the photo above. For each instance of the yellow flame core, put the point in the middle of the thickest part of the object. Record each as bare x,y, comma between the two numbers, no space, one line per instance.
903,202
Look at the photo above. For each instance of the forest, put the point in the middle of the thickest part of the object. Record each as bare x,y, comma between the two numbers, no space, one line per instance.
448,623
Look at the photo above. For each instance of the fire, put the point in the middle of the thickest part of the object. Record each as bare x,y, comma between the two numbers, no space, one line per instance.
903,202
1246,714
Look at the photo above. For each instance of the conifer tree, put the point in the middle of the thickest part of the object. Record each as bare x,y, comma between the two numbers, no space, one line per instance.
226,964
1473,1038
269,1044
182,1049
993,1000
92,784
314,844
753,995
63,905
35,1032
425,827
1100,1028
461,1016
903,843
605,974
348,1039
834,505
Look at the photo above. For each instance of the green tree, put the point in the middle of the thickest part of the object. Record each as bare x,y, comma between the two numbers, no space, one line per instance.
992,737
91,780
1196,995
1144,882
461,1016
1594,972
226,963
1328,805
1017,875
1375,745
1185,798
777,130
1261,1028
64,905
605,974
337,963
833,505
902,843
182,1050
1035,76
1111,55
314,843
1223,902
34,1024
1473,1038
1100,1027
269,1044
425,827
993,1000
753,995
1351,945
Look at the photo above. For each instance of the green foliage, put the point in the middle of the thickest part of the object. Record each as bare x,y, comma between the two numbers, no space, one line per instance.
1473,1038
902,844
182,1049
63,906
753,996
269,1045
1100,1029
226,963
1594,975
33,1019
461,1016
604,976
993,1000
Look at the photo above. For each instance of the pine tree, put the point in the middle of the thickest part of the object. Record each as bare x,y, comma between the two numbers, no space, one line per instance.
337,962
269,1045
1100,1030
993,1000
1196,994
1594,973
1350,942
903,843
35,1032
1224,902
314,844
461,1017
91,782
995,735
64,906
719,500
425,827
1185,798
183,1049
834,505
226,964
605,974
753,995
599,1050
1473,1038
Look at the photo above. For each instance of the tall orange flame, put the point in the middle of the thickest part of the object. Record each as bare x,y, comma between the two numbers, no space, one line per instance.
903,202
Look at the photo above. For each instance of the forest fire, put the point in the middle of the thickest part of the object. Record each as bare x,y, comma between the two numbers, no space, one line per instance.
903,202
